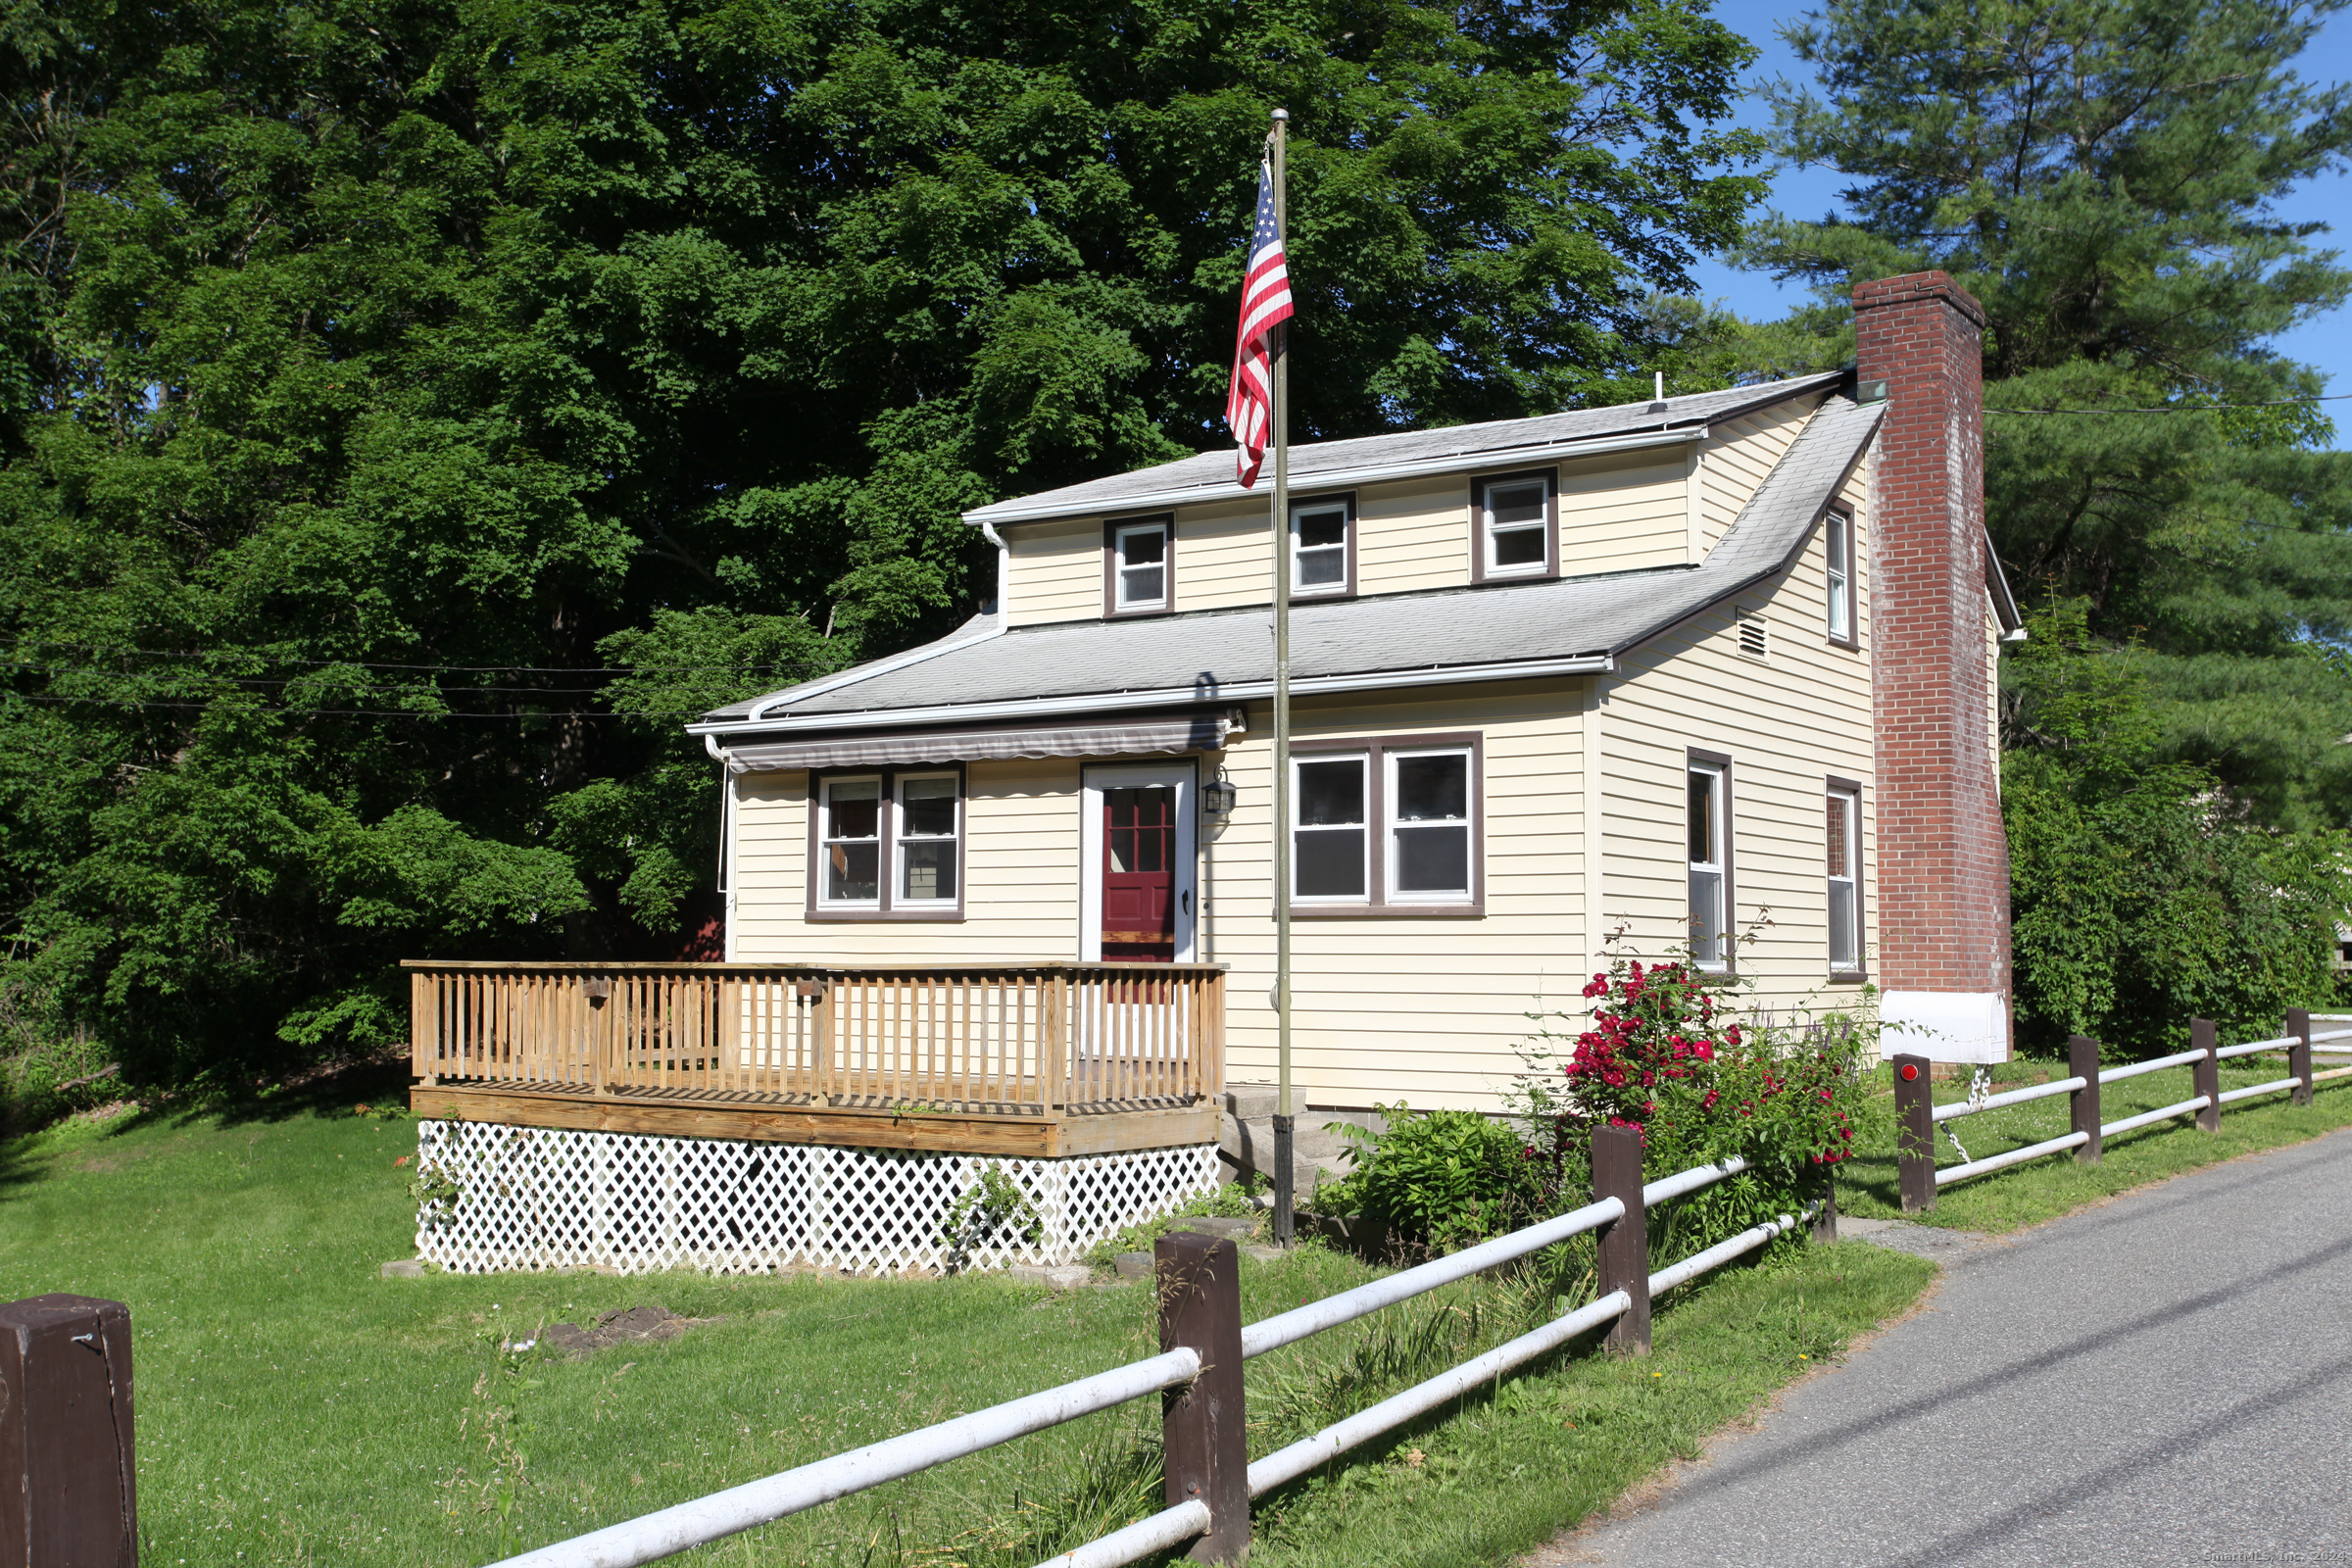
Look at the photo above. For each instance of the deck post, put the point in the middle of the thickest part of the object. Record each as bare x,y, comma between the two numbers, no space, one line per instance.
2298,1055
2082,1061
1624,1243
1053,1038
1203,1424
1914,1135
2205,1073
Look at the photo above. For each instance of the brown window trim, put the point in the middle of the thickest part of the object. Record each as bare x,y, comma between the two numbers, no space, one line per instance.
1345,497
1551,525
1852,640
1111,568
1859,974
888,878
1375,750
1731,839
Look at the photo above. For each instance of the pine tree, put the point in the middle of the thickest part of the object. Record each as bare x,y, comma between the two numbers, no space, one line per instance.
2104,175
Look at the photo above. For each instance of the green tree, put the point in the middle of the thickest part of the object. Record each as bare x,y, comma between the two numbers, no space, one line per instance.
2142,894
2104,174
413,408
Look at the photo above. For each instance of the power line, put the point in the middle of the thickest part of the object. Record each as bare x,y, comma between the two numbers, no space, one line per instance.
300,712
2188,408
451,669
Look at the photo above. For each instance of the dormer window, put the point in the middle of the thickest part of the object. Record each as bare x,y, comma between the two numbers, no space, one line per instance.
1323,546
1138,577
1516,522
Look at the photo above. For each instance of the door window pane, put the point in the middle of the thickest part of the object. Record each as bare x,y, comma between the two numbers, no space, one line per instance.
1143,567
1515,527
1319,544
927,839
853,845
1328,845
1430,832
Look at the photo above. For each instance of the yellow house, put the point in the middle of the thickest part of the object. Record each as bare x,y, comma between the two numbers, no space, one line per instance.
1604,671
1712,673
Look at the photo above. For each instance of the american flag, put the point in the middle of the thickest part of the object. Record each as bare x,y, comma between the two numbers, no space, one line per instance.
1265,305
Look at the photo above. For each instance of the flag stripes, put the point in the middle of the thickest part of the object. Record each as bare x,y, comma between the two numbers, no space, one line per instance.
1265,305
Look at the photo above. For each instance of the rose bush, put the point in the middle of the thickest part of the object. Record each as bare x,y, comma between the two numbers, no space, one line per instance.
1669,1053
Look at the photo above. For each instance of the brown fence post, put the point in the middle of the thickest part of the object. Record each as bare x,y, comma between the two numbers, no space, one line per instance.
2298,1055
1914,1135
2082,1061
1203,1425
68,1492
1624,1243
2205,1073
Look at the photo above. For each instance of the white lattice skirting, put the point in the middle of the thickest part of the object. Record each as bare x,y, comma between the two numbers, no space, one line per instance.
541,1199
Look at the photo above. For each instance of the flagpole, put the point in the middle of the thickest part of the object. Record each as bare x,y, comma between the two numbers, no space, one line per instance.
1285,1112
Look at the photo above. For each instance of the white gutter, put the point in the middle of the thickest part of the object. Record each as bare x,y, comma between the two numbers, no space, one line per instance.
1021,510
1160,697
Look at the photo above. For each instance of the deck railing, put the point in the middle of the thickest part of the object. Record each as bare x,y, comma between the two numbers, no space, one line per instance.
1040,1039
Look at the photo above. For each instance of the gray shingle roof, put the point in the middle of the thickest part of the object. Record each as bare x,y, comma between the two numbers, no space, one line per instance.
1203,655
1495,440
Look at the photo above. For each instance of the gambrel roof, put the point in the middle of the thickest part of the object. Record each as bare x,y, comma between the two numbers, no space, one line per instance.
1382,641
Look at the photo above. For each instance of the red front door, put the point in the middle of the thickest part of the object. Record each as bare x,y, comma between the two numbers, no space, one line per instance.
1139,874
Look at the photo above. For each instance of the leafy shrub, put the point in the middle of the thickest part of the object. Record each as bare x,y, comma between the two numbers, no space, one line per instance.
1669,1054
1447,1177
44,1078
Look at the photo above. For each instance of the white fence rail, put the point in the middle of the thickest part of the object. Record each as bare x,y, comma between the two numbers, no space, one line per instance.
1920,1177
1627,1287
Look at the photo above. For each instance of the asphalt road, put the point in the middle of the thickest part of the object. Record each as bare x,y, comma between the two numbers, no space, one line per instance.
2166,1378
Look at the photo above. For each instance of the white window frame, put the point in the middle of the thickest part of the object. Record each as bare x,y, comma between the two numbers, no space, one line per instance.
1838,547
1120,604
1392,825
825,840
1542,566
1364,827
1345,504
900,839
1719,868
1849,797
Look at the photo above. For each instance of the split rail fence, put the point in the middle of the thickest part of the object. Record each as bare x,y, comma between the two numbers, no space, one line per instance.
1920,1177
1211,1479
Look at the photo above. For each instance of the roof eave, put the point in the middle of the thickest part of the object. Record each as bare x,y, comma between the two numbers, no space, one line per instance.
1595,664
1000,513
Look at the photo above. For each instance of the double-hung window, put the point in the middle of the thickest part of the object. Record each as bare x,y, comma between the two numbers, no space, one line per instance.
1837,539
851,819
1137,574
1708,821
887,846
1332,848
927,839
1844,830
1385,826
1323,545
1516,521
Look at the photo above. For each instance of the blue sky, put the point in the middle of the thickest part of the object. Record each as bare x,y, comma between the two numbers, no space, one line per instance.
1811,192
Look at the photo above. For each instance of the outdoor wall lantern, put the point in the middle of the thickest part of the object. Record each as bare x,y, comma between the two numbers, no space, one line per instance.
1217,797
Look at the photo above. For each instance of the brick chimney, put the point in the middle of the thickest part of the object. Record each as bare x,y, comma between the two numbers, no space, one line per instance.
1942,922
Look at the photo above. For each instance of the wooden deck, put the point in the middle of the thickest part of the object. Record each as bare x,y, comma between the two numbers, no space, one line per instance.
1016,1059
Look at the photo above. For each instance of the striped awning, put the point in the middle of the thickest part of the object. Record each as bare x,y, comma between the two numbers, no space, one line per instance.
1201,731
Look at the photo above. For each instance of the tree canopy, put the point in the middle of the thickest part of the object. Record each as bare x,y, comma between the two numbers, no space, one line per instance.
412,409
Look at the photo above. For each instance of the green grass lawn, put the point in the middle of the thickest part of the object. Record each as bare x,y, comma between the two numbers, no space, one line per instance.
2043,1188
295,1407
